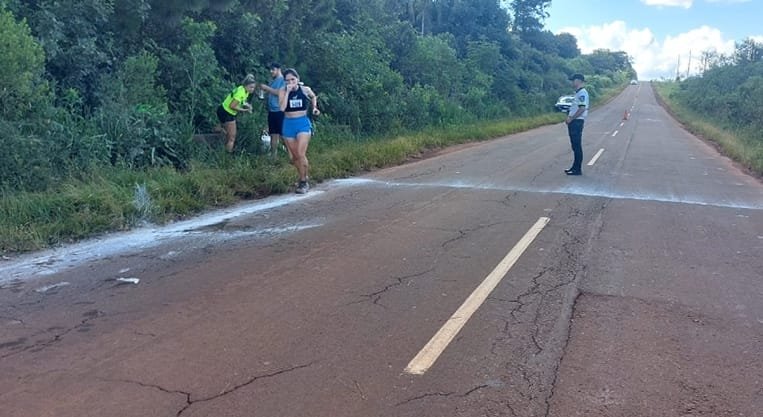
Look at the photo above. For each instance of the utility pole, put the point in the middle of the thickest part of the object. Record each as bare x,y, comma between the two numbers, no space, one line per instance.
678,69
688,67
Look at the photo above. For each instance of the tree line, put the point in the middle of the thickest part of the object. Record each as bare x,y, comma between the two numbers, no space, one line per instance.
729,90
89,85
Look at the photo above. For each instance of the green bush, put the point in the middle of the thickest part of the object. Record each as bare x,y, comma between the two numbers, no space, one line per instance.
22,89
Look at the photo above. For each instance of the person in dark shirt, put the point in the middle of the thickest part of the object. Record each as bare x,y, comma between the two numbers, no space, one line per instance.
295,101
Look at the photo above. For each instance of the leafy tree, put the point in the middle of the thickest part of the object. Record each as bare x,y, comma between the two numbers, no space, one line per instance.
129,23
748,51
567,45
529,15
234,43
606,61
472,20
434,62
138,129
22,89
136,84
193,77
78,42
354,81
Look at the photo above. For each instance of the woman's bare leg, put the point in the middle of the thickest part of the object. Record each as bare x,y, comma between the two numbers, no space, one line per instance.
293,146
230,135
303,140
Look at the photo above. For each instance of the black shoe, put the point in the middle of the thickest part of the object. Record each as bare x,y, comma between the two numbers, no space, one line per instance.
303,187
571,172
568,170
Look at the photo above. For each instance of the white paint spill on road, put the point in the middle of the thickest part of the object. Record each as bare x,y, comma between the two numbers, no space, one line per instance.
581,190
47,288
55,260
69,256
596,157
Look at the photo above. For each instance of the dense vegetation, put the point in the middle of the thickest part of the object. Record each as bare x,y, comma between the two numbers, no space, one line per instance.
725,103
106,95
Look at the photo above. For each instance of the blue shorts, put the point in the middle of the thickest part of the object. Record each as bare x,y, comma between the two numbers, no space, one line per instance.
292,127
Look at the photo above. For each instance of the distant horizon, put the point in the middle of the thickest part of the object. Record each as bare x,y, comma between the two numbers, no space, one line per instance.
659,35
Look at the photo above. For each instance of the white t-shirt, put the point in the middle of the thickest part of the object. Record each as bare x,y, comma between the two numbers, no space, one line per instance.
581,99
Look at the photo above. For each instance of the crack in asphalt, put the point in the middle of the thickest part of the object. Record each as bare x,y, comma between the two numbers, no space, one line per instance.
190,402
536,290
462,233
579,272
506,201
154,386
442,394
558,363
420,174
245,384
376,296
565,273
58,337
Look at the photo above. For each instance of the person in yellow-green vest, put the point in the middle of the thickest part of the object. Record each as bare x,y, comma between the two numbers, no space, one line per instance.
234,103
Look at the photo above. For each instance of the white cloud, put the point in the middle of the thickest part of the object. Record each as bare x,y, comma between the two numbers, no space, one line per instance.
653,58
669,3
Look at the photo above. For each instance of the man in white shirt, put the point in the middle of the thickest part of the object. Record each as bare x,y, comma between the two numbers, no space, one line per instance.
575,121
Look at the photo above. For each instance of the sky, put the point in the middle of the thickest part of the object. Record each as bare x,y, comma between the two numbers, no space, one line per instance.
659,35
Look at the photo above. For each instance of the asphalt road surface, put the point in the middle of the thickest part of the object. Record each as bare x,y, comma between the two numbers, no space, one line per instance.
478,282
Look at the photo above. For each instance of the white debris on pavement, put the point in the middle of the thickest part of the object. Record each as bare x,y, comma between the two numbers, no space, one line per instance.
51,287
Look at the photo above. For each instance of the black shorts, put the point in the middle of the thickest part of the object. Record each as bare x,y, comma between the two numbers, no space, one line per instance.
275,122
224,116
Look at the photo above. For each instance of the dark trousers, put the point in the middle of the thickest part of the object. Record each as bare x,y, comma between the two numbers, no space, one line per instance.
575,129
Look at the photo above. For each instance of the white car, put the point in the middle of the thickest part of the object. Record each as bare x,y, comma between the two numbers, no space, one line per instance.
564,103
634,82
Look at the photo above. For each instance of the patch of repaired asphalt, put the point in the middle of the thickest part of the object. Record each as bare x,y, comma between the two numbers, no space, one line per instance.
632,357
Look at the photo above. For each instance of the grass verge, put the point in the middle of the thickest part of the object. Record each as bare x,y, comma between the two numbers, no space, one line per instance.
741,146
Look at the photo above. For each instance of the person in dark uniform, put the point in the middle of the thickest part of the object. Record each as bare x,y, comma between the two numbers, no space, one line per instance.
294,100
575,120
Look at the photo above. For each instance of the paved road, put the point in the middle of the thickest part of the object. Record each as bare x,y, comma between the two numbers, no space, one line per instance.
480,282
